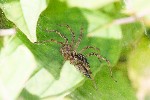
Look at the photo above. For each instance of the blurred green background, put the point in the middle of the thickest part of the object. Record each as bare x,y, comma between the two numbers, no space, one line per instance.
119,28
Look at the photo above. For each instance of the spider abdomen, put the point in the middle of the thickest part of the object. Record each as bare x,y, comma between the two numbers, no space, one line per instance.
77,59
80,62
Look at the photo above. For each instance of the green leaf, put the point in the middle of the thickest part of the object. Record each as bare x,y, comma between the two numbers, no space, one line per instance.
49,86
49,57
55,77
100,25
139,68
24,14
16,68
107,88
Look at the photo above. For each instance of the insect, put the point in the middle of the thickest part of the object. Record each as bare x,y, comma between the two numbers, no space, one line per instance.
69,52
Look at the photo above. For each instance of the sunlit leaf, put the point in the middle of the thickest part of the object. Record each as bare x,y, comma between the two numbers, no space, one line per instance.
100,26
94,4
139,68
16,68
24,14
48,86
138,6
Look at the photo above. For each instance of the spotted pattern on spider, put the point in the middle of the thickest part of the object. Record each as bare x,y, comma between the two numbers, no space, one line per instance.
77,59
69,52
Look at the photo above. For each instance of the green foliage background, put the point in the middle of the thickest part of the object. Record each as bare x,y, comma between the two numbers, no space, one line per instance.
29,71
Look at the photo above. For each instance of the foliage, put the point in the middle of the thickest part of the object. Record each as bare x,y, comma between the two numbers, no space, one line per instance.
34,72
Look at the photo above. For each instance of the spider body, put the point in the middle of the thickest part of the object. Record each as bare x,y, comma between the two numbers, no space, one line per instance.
81,63
77,59
69,52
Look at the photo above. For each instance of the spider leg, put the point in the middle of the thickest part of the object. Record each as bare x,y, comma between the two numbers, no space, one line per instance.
51,40
79,39
100,57
94,83
89,47
69,28
61,35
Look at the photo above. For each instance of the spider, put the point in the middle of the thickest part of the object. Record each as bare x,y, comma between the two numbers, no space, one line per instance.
69,52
